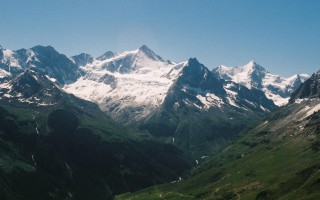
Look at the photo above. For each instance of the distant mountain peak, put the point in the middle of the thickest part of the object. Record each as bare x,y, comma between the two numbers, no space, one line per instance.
107,55
39,47
252,63
193,61
150,54
195,64
145,48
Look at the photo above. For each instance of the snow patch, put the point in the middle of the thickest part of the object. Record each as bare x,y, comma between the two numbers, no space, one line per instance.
51,79
210,100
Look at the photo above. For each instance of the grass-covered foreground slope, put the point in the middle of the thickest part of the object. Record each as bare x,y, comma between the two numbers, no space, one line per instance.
69,152
278,158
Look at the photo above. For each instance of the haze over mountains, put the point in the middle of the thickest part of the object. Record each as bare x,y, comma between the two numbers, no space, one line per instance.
119,106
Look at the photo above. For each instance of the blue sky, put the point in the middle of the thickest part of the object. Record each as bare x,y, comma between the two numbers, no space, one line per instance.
283,36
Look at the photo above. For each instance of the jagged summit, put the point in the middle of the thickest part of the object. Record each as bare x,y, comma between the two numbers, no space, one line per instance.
254,66
254,75
82,59
193,61
250,75
107,55
42,58
42,47
150,54
194,67
252,62
145,48
31,87
251,67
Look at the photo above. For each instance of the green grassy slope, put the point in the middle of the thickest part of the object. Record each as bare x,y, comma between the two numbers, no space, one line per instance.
67,152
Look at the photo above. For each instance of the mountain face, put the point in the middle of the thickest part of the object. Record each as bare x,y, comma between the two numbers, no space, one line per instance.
252,74
31,87
43,59
202,113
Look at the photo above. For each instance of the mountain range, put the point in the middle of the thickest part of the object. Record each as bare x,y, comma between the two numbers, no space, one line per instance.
141,89
97,116
276,158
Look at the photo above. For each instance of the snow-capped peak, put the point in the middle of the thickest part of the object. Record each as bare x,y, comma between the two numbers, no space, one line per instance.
253,66
251,63
249,75
141,60
136,79
150,54
246,69
252,74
